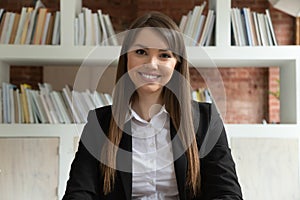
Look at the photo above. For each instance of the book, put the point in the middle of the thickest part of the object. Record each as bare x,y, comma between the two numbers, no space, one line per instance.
234,28
252,27
33,21
5,102
247,26
61,107
262,29
56,29
9,28
14,29
4,26
269,36
199,30
112,39
68,95
187,27
97,30
18,108
46,108
39,109
40,23
196,17
208,22
76,31
210,31
258,36
52,110
2,11
8,102
22,20
270,25
46,27
104,40
87,13
24,102
50,30
79,105
182,23
81,29
26,25
98,100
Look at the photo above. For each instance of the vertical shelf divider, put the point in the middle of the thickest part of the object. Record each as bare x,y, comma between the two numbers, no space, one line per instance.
68,9
222,22
288,93
4,72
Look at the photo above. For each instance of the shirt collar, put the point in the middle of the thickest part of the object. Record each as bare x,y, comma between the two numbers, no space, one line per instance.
132,114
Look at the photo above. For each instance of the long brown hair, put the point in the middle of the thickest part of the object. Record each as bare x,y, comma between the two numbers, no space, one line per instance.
178,103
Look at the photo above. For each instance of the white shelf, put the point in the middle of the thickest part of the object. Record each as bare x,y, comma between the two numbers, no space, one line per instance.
75,130
258,56
263,130
35,55
40,130
102,55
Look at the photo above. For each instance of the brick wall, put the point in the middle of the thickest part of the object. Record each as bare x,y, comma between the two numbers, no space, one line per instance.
247,89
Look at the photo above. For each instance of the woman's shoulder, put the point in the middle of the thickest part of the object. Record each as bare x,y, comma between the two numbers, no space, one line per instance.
202,109
103,112
101,115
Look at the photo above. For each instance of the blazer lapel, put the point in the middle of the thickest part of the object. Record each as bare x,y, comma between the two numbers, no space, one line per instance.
180,162
124,160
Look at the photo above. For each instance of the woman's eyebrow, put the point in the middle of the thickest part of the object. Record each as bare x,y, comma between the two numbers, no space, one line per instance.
147,47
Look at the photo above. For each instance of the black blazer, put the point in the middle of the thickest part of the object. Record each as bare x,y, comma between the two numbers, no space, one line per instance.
218,175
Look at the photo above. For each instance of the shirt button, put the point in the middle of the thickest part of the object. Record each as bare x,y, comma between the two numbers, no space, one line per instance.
152,144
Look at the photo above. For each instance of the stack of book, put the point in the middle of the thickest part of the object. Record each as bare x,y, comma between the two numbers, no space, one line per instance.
94,29
202,95
32,26
26,105
250,28
197,28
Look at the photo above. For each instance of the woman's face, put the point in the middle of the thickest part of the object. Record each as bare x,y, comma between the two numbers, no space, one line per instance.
150,62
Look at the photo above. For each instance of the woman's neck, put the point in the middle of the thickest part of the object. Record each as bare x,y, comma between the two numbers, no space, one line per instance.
146,106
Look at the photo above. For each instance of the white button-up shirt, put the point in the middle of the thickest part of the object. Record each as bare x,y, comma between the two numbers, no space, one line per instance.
153,175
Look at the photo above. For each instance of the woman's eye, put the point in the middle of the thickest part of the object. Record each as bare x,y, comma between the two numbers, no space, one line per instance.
140,52
166,55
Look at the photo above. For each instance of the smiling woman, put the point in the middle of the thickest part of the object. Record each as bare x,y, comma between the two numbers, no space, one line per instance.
150,66
147,144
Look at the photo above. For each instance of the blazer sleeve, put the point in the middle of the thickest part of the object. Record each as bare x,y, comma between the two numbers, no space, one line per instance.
218,175
84,175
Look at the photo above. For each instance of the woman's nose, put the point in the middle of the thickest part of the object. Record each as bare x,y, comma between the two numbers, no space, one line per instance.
153,61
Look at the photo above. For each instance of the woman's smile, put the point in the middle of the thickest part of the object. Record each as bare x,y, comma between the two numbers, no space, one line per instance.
149,77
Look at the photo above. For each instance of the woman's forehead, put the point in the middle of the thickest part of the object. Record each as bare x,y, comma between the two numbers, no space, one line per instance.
150,38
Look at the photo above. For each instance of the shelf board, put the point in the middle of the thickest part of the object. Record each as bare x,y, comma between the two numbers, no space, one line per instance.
37,55
40,130
263,130
233,130
233,56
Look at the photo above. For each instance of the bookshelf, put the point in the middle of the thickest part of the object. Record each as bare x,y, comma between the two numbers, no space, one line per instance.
222,54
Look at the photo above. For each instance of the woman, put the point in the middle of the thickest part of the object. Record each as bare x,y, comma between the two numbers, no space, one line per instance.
153,142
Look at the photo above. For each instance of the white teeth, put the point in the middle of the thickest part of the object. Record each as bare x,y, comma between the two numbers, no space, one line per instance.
149,76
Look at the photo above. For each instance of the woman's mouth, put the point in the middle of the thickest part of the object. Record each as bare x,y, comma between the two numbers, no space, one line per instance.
149,77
